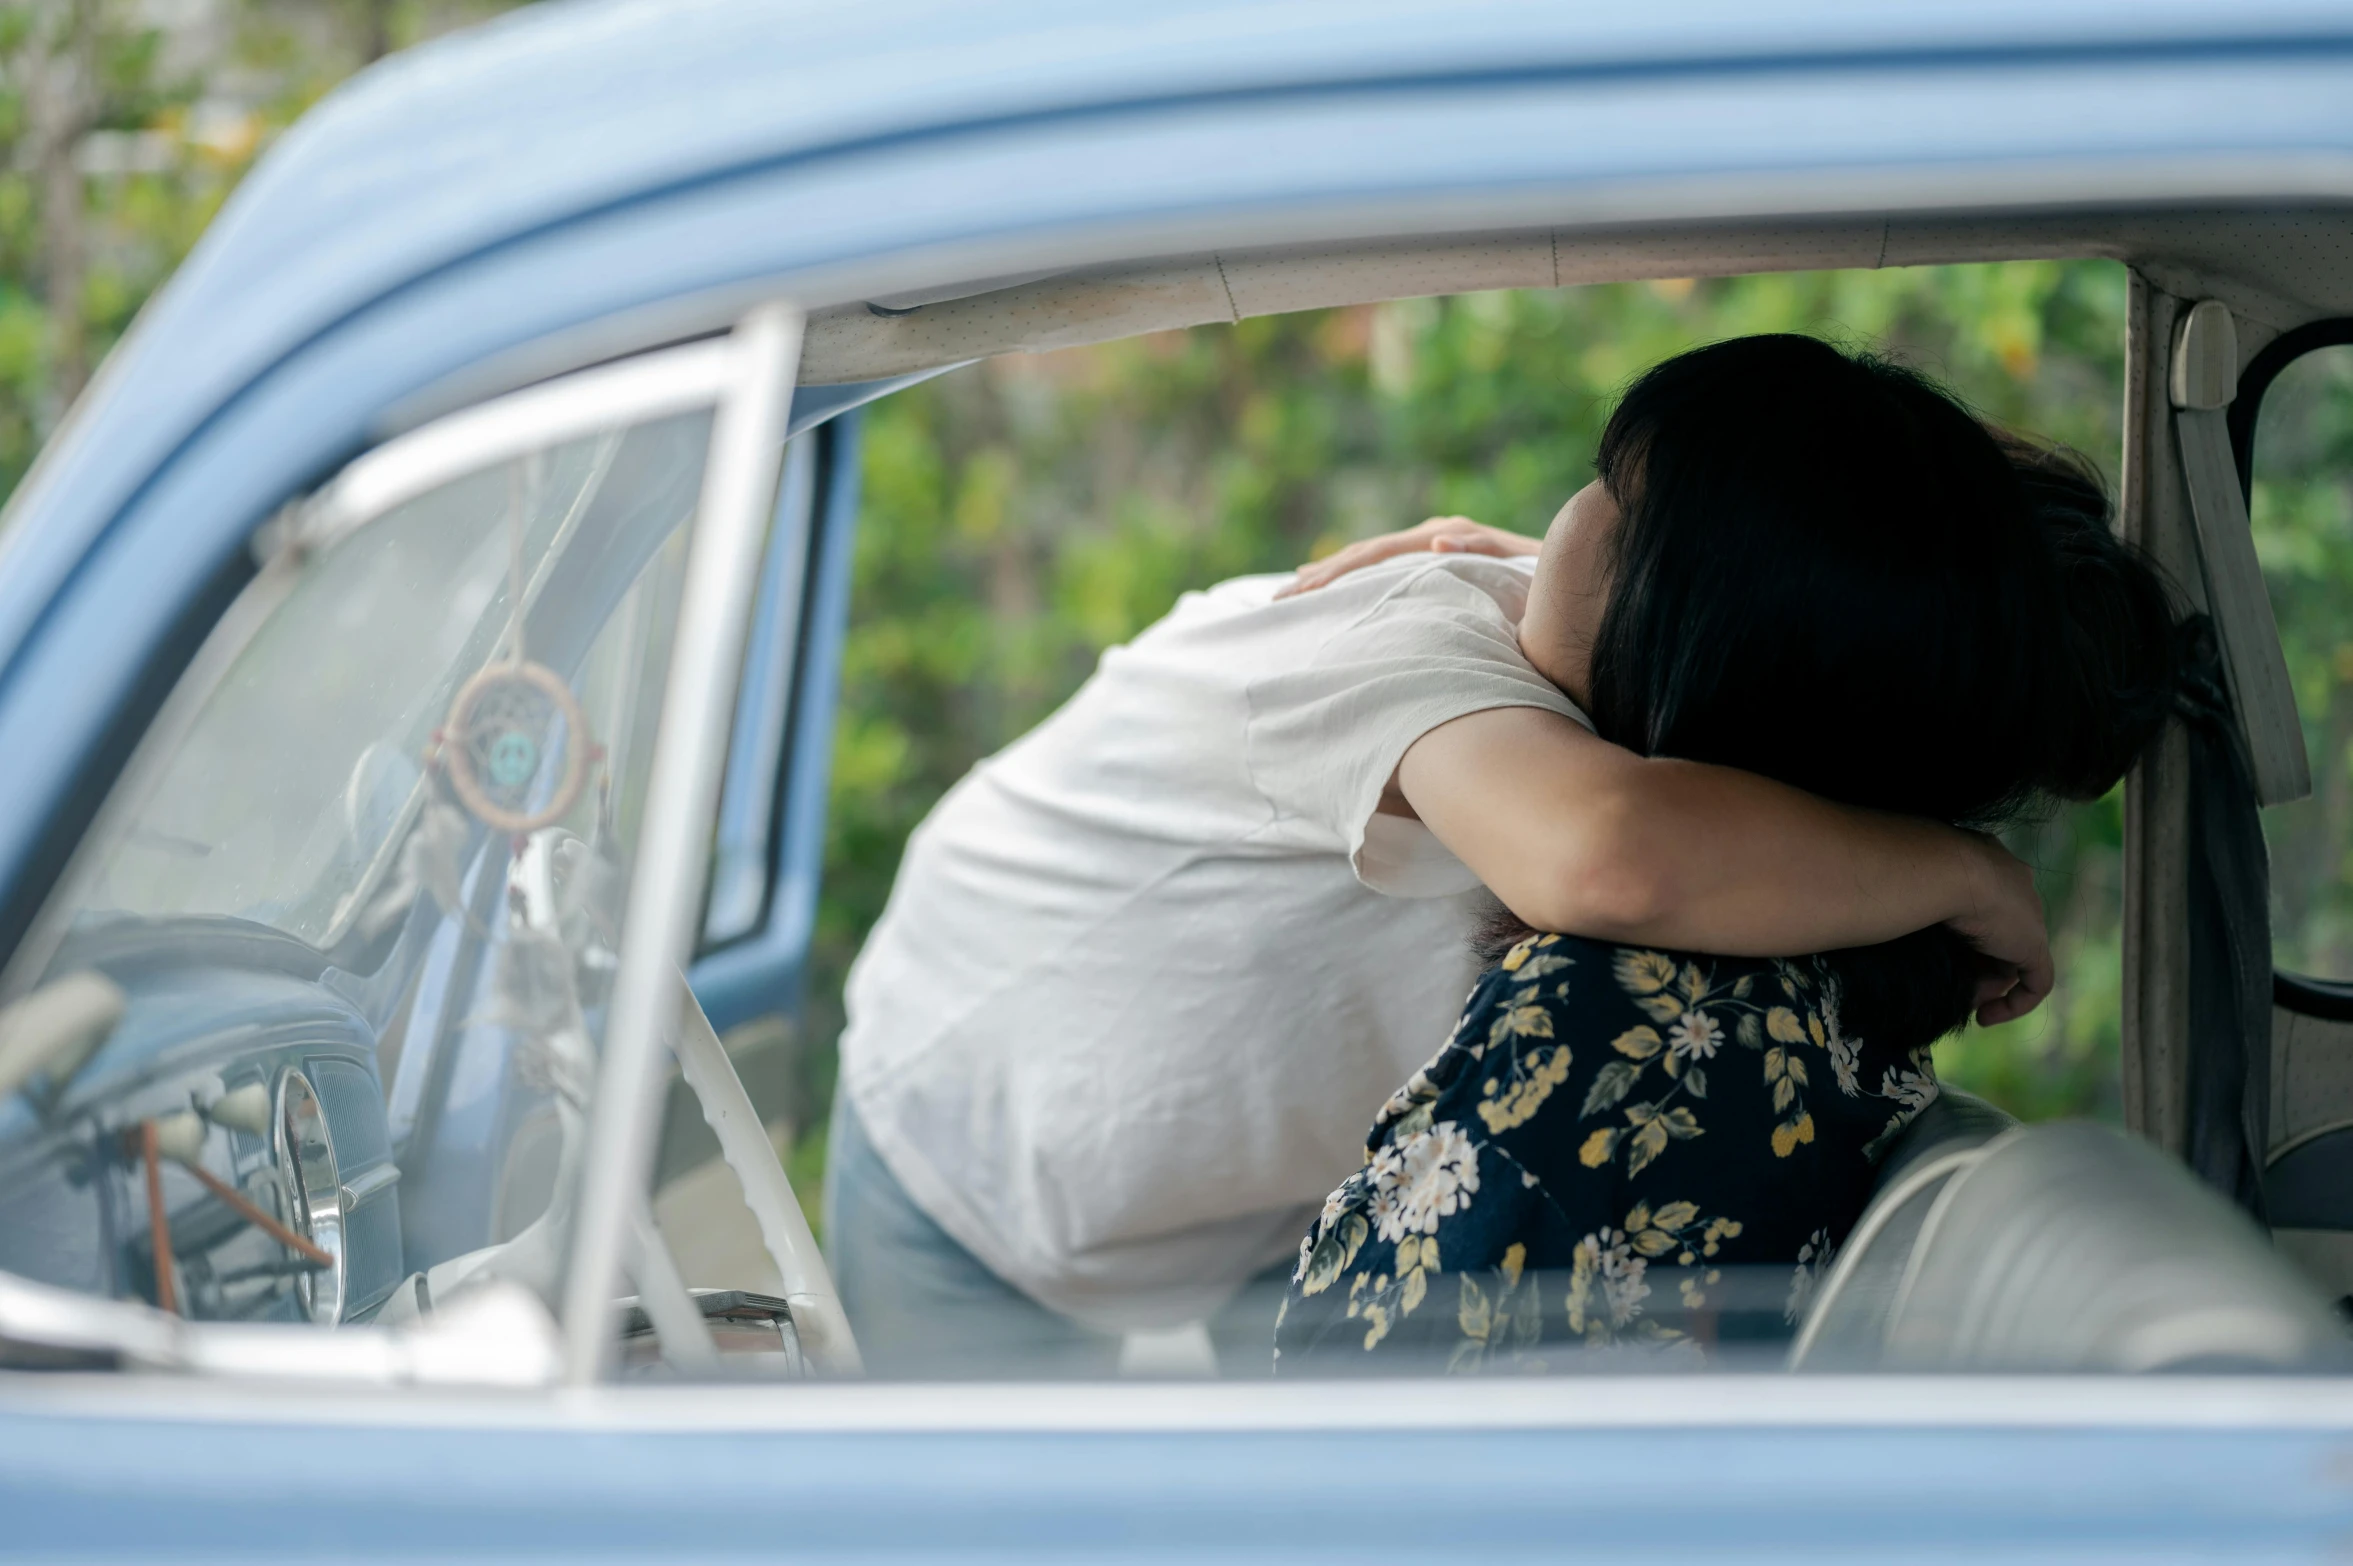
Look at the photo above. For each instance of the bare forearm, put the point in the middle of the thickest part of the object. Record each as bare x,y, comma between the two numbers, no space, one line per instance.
1704,858
1586,838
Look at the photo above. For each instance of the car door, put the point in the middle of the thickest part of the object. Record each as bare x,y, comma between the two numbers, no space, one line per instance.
312,1026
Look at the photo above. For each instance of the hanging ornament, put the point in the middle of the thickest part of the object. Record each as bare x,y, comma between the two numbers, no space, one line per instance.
512,727
516,722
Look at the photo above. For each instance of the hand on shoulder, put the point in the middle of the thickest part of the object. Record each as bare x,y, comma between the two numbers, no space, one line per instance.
1439,535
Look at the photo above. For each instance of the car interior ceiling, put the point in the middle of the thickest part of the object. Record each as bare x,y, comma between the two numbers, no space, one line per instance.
2276,268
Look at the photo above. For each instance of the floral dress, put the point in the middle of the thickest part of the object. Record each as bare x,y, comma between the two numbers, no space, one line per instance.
1617,1152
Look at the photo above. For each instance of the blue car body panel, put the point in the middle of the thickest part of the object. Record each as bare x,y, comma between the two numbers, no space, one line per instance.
1796,1494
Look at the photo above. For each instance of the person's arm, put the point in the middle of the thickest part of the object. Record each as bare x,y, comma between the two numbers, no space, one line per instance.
1583,837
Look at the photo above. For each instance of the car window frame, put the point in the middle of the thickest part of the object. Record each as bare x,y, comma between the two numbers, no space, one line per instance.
2304,994
744,380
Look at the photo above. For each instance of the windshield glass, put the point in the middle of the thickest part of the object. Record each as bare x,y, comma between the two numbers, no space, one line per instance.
308,756
324,989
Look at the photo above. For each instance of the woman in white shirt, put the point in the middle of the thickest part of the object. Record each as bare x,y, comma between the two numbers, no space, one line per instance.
1146,974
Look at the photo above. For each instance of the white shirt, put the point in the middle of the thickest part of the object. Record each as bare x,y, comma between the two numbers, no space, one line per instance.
1147,974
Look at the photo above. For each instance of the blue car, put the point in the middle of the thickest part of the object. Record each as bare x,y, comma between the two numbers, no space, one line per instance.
419,649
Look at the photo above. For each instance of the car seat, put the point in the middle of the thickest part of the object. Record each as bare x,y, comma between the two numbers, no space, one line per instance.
2060,1247
1848,1319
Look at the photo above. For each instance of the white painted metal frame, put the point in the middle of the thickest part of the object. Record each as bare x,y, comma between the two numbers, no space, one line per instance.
682,799
2204,378
634,391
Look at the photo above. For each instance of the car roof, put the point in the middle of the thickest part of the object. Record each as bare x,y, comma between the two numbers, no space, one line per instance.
558,113
563,113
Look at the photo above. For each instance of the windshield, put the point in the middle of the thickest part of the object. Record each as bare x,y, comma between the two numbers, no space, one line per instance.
309,754
332,966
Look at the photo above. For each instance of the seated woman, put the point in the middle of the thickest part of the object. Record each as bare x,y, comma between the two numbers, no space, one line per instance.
1815,567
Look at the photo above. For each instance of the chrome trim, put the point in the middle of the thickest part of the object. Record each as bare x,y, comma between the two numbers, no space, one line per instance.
313,1189
43,1316
498,1335
1974,200
367,1183
682,796
1412,1406
604,398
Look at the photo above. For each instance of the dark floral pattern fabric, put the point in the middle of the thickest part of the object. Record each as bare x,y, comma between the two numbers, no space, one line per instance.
1609,1135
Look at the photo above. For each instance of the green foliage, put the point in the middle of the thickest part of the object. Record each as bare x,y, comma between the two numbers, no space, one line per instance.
175,105
1026,513
2303,516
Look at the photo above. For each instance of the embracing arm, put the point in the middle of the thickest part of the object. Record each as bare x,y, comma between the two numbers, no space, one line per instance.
1582,837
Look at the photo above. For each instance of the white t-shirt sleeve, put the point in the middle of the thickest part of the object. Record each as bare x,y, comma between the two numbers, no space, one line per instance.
1325,738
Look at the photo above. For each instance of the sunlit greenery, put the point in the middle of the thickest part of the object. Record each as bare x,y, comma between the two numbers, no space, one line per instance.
149,114
2303,515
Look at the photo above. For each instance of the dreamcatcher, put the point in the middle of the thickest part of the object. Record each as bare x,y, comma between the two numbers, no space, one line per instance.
516,745
513,725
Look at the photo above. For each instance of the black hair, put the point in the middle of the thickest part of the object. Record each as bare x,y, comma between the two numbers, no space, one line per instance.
1829,572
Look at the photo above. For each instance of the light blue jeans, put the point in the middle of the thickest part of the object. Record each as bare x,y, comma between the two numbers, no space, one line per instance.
925,1307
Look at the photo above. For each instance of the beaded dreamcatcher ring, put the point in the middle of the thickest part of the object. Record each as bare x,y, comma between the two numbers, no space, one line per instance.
510,725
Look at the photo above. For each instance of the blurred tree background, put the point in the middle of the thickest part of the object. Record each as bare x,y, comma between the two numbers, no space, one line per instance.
2303,514
123,126
1023,514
